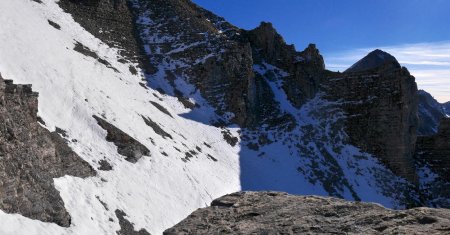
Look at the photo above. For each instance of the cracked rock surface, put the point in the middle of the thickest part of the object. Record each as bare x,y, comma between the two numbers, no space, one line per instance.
281,213
31,157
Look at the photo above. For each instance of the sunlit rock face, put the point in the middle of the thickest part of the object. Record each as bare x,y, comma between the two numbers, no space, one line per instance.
305,69
274,213
175,107
30,157
177,41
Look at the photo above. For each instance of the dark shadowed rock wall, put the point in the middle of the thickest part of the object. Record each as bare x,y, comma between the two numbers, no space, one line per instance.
306,69
430,114
381,109
435,150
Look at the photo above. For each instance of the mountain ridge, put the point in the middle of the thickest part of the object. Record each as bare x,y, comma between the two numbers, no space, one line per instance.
215,108
374,59
305,72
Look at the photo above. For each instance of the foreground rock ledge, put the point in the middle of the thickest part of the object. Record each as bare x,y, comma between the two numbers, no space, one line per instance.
281,213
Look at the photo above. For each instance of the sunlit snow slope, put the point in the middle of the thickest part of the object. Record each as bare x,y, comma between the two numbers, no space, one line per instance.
156,192
186,170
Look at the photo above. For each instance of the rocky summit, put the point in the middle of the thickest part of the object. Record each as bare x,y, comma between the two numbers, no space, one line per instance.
373,60
381,103
281,213
149,110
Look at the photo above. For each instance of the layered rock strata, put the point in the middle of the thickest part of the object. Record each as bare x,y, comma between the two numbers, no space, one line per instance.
381,109
31,157
435,150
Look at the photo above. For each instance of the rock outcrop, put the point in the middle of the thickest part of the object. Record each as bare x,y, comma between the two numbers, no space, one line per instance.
305,70
280,213
126,227
435,150
127,146
430,114
109,20
447,108
31,157
381,108
184,41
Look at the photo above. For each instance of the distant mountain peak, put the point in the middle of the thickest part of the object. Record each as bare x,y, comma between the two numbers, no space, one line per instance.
430,113
373,60
447,108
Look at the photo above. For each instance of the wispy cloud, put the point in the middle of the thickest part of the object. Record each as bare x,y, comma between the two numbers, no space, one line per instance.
428,62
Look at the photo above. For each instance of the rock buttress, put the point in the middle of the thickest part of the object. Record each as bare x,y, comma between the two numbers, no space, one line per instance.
306,69
31,157
381,108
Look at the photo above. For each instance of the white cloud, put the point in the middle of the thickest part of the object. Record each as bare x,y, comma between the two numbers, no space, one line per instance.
428,62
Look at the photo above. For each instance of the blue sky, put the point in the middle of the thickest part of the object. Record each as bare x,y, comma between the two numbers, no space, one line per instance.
417,32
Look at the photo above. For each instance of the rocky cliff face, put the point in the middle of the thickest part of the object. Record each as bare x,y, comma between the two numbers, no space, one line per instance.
430,114
111,21
177,40
152,91
447,108
381,107
280,213
433,164
168,49
435,149
31,157
305,69
185,44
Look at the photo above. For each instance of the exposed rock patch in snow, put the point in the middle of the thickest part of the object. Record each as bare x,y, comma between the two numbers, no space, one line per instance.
31,156
126,145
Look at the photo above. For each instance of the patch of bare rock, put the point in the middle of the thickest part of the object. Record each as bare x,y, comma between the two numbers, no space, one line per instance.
31,157
281,213
127,146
